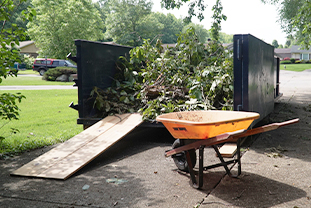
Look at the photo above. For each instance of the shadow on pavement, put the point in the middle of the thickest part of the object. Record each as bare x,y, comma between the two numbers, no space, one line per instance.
253,190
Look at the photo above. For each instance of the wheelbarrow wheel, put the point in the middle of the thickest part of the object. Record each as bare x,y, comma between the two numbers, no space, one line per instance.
180,158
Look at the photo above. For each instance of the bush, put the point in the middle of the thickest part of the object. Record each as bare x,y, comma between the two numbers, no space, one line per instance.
292,60
52,74
298,62
286,59
286,62
28,60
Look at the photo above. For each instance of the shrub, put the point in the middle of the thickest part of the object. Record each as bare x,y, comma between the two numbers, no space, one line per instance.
52,74
28,60
292,60
286,62
286,59
298,62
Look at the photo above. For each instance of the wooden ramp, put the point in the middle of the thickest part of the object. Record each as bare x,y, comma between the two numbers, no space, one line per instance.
70,156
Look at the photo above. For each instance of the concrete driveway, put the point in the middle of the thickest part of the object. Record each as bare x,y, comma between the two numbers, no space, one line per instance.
134,172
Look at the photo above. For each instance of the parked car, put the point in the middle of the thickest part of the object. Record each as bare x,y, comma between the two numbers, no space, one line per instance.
41,65
19,66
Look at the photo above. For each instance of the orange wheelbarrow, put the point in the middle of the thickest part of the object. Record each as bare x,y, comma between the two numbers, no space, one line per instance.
199,129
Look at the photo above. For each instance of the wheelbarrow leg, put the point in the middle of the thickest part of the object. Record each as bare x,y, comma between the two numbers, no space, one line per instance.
191,171
222,160
201,157
196,184
238,160
239,156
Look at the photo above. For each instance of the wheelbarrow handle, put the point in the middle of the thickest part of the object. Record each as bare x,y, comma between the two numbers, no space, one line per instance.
206,142
231,136
265,128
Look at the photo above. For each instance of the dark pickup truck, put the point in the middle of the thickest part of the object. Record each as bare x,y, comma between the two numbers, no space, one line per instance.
42,65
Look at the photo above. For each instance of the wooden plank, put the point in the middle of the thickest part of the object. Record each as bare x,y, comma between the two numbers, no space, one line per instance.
74,162
228,149
39,167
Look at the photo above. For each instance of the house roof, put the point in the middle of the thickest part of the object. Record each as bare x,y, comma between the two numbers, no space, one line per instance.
299,49
282,50
23,44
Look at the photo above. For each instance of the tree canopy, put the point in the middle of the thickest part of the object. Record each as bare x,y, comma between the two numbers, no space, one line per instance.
295,19
129,20
196,8
59,23
10,34
275,43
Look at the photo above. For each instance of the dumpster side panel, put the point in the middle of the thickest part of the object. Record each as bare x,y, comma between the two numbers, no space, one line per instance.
254,75
96,63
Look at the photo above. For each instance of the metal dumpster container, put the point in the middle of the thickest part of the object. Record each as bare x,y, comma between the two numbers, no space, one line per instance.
256,74
96,66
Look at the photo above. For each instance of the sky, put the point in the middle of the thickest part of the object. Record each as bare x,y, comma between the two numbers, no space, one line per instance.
243,17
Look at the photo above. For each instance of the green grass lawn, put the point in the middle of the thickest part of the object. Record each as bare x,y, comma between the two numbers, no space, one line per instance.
45,119
28,80
28,71
295,67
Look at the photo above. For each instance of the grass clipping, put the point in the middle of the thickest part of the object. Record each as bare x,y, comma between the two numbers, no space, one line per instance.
153,81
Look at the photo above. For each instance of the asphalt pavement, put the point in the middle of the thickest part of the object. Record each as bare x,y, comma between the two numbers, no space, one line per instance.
135,173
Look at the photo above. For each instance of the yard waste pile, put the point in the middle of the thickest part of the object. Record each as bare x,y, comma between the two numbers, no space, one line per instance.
154,80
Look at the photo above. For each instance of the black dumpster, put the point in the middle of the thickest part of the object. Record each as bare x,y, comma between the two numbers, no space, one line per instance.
256,74
96,66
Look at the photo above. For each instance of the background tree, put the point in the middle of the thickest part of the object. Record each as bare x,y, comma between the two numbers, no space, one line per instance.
129,22
225,38
288,43
196,8
201,32
171,27
9,39
18,18
275,43
294,16
217,18
59,23
103,9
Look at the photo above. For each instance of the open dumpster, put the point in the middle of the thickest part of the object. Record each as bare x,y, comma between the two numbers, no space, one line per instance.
256,74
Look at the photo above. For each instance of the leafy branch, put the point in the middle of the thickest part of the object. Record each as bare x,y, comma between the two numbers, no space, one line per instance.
189,76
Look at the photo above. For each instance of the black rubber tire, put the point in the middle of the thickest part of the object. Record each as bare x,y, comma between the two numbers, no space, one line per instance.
180,158
41,72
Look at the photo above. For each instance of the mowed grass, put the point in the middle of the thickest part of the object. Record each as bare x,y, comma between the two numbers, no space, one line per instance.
45,119
28,71
295,67
30,80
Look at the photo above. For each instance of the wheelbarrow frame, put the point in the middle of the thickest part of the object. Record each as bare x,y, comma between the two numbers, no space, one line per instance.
219,139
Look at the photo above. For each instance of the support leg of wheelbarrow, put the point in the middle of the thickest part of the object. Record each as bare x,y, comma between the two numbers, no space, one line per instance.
225,164
196,184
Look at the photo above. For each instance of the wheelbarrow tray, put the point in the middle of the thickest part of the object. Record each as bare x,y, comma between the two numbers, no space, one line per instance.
205,124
